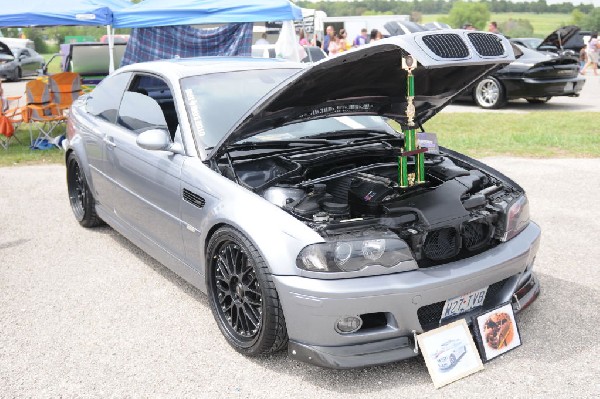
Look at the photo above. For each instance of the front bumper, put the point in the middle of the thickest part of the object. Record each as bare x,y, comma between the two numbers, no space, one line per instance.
412,302
531,87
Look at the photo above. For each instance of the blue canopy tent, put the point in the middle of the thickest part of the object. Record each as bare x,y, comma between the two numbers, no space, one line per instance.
163,29
61,13
151,13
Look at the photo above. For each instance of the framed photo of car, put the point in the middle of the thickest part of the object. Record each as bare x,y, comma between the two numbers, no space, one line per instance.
450,353
497,332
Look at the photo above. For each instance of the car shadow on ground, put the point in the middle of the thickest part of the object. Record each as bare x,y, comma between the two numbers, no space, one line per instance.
522,106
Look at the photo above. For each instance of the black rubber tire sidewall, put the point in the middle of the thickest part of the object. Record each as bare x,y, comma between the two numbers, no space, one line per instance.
89,218
272,335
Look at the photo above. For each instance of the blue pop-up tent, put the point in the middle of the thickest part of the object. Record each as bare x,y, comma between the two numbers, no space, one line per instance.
63,12
60,12
150,13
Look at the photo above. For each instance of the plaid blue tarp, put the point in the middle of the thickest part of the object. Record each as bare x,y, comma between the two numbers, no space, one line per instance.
165,42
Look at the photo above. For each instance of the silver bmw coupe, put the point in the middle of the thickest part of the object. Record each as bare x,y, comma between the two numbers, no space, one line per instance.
302,200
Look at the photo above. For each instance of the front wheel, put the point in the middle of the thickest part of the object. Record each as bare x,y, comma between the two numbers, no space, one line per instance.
489,93
81,198
242,295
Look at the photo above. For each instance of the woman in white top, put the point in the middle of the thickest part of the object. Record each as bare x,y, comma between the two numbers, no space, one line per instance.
591,51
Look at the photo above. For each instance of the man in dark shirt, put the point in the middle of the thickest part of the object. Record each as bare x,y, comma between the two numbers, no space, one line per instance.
329,32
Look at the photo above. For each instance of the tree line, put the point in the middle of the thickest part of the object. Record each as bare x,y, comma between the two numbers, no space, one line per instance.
366,7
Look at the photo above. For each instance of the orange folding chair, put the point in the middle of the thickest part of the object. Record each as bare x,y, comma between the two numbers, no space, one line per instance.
41,110
10,119
65,88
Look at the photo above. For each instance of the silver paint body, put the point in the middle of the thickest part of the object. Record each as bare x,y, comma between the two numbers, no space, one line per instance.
139,193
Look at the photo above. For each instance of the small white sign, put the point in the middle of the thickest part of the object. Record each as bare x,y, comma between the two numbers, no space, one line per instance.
85,17
450,353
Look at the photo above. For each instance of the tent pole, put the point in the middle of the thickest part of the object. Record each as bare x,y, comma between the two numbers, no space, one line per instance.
111,48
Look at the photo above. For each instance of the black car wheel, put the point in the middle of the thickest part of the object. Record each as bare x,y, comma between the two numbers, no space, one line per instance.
81,198
538,100
489,93
242,295
17,75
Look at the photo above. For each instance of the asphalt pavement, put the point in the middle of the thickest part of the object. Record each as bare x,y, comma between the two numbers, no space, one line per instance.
84,313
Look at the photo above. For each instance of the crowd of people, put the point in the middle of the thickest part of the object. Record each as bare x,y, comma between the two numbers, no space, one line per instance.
335,43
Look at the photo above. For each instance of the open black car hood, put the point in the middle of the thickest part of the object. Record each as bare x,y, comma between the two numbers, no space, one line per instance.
559,37
370,81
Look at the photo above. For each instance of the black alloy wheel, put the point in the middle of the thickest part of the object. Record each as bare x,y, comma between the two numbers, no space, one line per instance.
81,199
242,295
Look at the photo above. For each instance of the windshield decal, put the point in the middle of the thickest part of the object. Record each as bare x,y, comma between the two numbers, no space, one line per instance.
195,111
338,109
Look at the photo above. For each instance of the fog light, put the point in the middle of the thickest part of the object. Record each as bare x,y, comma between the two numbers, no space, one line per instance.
348,324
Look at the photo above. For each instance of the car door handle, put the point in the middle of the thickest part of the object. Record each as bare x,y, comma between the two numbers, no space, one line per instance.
109,141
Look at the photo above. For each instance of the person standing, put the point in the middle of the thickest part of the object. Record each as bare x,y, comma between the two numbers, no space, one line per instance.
361,39
493,27
303,41
329,34
335,45
591,51
263,40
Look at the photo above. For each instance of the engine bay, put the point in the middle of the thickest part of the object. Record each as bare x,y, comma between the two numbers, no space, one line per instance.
460,211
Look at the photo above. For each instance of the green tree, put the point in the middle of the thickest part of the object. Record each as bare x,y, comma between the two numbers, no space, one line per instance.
475,13
592,20
517,28
577,17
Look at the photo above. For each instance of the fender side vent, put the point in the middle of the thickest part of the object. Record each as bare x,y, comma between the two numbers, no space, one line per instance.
487,45
448,45
193,198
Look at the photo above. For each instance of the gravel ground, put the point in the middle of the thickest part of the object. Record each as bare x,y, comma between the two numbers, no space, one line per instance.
84,313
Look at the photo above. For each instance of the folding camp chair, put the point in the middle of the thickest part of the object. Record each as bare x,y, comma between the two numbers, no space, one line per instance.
10,119
65,88
41,110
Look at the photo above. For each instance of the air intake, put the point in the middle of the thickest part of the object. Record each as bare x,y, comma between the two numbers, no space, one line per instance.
486,45
475,235
193,198
449,45
441,244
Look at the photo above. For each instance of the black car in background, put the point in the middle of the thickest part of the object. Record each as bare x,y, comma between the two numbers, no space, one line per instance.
535,76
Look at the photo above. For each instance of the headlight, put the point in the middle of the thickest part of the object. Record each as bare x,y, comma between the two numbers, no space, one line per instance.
350,255
517,218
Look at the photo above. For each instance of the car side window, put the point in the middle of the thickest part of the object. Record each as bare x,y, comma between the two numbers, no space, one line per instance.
140,112
25,53
104,101
157,90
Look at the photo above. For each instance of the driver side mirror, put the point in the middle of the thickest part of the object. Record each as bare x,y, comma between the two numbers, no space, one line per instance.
158,140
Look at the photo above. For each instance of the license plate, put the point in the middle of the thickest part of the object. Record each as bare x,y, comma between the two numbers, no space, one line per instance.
464,303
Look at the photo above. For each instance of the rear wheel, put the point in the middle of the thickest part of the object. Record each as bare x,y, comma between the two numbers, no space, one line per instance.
538,100
17,75
489,93
242,295
81,198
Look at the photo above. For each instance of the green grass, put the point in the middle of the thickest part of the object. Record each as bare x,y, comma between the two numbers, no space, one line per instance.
535,134
543,24
21,154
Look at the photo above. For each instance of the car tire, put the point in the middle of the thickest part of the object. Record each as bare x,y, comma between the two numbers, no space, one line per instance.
81,198
489,93
538,100
242,295
17,75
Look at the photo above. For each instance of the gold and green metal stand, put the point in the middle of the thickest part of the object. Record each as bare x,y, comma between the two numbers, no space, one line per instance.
411,145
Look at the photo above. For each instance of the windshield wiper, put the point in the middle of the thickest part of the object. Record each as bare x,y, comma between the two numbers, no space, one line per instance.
279,144
350,133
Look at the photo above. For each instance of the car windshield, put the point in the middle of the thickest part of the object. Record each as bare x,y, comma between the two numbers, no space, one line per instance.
215,102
